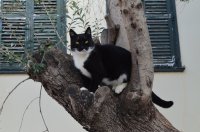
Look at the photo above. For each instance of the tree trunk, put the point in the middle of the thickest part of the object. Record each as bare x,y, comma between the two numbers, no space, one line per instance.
132,110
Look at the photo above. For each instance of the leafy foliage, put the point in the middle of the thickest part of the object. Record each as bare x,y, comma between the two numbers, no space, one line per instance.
37,68
77,16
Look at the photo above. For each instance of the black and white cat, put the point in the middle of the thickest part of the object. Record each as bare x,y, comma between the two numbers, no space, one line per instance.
107,64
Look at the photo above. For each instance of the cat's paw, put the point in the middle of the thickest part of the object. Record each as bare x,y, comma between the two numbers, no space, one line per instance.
120,88
83,89
92,93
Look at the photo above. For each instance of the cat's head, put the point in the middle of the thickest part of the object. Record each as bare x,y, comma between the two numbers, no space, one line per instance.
81,42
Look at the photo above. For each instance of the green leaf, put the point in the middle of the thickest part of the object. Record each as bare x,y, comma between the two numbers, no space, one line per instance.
68,16
81,19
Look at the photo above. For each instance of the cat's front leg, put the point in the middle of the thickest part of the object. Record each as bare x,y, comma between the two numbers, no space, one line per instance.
86,82
95,81
90,84
93,86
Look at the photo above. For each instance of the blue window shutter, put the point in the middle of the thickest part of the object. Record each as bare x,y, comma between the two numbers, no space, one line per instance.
37,23
29,27
61,26
0,27
50,23
13,32
162,26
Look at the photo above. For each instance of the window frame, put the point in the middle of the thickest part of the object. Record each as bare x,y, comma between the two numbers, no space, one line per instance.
174,40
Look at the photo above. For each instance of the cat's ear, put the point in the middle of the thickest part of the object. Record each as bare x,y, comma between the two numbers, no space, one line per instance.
72,33
88,31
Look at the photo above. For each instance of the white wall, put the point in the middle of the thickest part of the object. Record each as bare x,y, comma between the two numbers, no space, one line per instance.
57,119
182,88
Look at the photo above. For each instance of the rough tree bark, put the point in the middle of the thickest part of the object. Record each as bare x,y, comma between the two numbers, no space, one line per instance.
132,110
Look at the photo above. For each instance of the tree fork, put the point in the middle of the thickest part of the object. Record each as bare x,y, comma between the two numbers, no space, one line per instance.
104,111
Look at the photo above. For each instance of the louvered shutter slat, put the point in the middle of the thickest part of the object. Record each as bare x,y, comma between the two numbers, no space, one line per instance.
13,7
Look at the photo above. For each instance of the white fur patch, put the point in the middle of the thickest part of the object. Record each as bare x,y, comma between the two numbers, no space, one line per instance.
118,84
115,82
120,88
79,60
83,88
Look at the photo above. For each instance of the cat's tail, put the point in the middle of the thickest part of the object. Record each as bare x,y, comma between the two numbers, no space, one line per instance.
160,102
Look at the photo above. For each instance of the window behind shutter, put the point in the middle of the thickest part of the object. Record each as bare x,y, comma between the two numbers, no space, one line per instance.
27,24
161,21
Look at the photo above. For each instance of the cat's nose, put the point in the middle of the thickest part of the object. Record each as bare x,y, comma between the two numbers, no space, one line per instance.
86,48
80,49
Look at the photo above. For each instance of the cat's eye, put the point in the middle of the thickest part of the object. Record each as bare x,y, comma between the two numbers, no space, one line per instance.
77,42
86,42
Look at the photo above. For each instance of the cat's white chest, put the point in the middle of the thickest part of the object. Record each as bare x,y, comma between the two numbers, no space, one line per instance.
79,61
